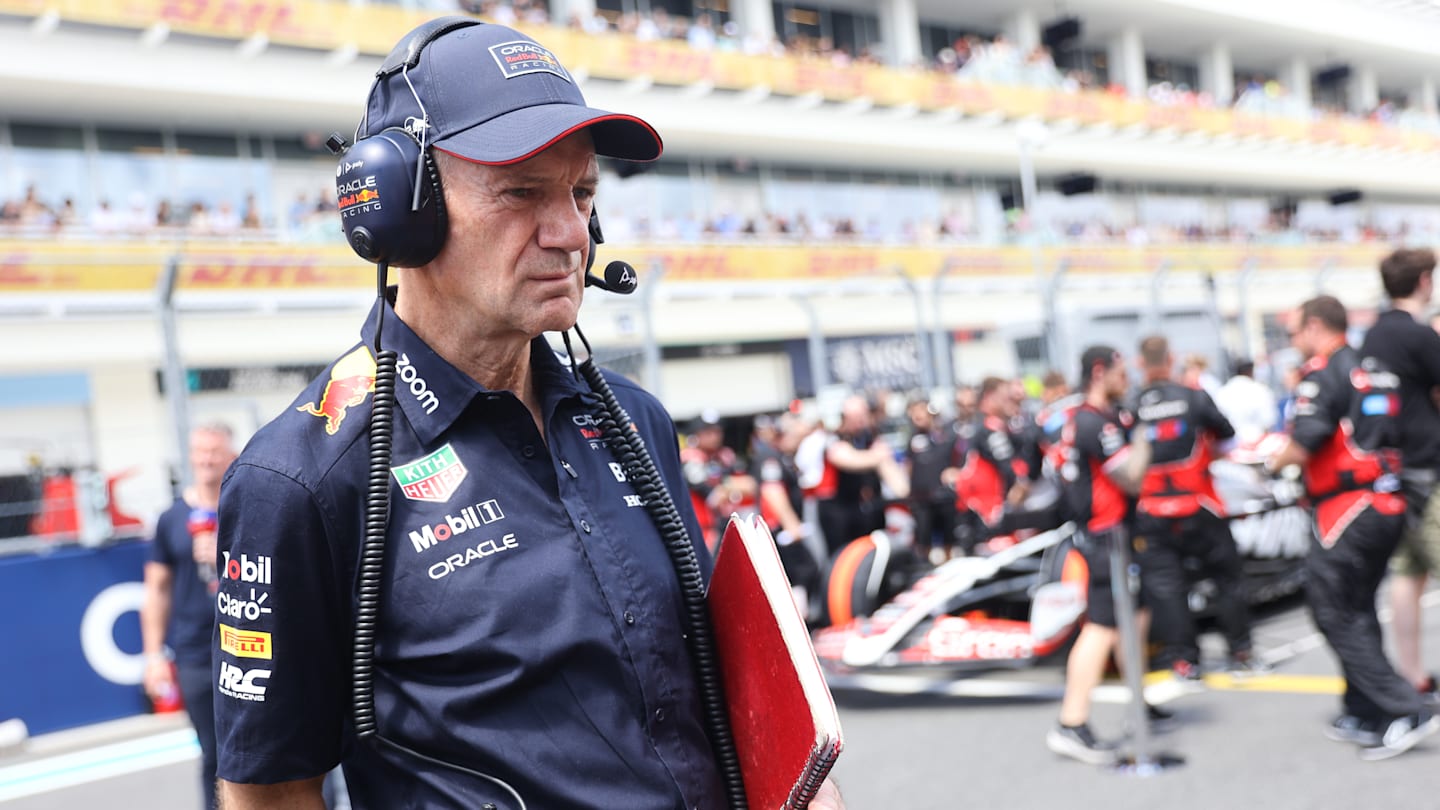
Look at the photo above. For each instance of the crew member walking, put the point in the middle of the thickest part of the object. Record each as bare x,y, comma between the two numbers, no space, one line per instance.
1103,471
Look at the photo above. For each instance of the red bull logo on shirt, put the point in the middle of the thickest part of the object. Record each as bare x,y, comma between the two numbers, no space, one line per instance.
433,478
351,380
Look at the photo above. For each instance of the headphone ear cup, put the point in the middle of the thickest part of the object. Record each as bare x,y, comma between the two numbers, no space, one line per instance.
375,192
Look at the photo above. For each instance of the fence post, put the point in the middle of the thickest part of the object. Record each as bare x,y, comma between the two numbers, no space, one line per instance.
177,388
944,364
651,352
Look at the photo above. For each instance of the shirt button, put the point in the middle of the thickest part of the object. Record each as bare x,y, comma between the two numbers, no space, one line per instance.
585,526
659,715
629,617
528,451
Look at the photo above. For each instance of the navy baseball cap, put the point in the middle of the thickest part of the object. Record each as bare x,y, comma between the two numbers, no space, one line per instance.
493,95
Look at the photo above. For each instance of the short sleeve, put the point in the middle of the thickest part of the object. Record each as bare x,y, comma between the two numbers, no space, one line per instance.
1314,420
1211,418
160,549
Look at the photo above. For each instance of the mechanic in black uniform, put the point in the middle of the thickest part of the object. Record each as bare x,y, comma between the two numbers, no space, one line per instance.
1345,435
1103,471
851,503
1411,349
1179,516
993,478
928,453
781,501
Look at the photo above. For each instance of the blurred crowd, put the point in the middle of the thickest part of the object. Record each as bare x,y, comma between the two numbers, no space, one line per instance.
994,60
310,218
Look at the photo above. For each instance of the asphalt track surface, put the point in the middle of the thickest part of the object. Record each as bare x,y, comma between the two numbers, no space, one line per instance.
1247,743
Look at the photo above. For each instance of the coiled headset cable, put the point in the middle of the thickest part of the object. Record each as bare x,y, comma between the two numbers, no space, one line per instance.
640,468
629,446
372,558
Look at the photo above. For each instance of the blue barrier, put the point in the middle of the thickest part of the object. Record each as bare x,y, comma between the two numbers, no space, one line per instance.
71,630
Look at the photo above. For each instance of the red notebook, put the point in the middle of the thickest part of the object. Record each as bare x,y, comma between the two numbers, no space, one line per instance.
787,732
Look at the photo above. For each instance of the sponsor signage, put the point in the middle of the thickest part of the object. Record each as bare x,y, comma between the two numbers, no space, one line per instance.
244,643
471,517
477,552
73,652
250,609
255,570
351,380
242,684
433,478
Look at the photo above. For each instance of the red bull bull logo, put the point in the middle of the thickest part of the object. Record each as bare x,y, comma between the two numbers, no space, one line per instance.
364,196
351,380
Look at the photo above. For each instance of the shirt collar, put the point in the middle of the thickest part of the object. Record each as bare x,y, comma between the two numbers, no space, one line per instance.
432,393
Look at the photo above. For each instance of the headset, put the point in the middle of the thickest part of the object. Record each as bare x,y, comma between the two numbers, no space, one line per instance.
387,186
393,210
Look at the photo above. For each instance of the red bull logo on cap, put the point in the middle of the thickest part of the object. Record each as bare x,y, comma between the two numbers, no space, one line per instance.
521,57
351,380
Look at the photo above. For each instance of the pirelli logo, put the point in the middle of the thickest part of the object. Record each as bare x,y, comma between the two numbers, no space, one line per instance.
244,643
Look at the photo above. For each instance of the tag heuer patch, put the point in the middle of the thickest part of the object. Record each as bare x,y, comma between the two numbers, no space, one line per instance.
432,478
520,57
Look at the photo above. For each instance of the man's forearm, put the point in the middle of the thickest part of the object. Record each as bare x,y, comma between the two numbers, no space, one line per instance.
1129,474
304,794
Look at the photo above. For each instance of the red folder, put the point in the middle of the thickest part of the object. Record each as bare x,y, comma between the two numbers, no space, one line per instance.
787,732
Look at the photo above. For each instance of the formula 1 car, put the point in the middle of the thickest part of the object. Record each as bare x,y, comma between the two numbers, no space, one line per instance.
1010,609
1023,603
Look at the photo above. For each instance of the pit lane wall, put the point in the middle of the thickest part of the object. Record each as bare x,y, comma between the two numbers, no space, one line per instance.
72,636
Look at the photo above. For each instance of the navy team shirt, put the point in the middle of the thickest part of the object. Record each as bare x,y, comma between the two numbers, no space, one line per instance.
192,599
531,624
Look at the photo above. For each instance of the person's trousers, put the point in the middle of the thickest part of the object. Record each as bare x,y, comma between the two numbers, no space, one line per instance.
1340,587
1164,545
197,687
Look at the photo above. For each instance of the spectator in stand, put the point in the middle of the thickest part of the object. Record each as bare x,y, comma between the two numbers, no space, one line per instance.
250,214
1248,404
225,221
177,614
198,223
701,35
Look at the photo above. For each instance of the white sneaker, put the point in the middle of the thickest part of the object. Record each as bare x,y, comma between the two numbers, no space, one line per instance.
1402,734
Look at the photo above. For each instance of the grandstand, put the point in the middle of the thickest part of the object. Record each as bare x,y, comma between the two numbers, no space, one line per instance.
902,193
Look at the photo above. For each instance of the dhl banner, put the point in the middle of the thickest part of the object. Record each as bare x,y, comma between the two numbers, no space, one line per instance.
373,29
50,268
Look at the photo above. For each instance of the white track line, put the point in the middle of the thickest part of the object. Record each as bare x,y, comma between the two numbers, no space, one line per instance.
93,764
